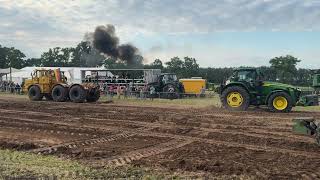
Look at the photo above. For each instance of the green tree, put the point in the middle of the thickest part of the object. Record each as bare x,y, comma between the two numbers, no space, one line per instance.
11,57
285,67
191,67
175,65
112,63
33,62
157,64
78,59
2,57
50,58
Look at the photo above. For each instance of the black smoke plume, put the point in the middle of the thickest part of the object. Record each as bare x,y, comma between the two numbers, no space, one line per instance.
106,41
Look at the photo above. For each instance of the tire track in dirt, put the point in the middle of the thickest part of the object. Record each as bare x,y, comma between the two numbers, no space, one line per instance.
129,157
146,124
234,144
86,142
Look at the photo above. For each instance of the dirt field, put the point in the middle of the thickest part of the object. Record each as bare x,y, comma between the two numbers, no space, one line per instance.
206,141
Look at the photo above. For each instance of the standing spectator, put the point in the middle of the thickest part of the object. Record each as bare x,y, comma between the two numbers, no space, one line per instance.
111,91
202,92
141,93
125,92
22,85
118,91
105,88
18,88
130,88
12,87
2,86
152,92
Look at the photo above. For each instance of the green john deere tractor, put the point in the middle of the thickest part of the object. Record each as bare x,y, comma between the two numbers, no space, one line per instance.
246,87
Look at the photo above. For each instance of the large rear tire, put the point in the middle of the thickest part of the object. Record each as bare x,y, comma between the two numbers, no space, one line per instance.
280,102
170,91
59,93
77,94
235,98
34,93
93,95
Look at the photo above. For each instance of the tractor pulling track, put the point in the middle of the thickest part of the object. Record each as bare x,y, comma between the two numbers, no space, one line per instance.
208,141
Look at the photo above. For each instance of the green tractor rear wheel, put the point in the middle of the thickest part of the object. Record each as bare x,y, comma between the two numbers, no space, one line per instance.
280,102
235,98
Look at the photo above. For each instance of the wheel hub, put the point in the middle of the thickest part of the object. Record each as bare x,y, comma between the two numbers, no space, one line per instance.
171,90
234,99
280,103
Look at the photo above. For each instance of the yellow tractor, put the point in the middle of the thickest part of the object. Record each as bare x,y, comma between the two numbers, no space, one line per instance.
52,84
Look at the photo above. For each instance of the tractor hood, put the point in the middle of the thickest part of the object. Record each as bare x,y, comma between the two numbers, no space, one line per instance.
278,85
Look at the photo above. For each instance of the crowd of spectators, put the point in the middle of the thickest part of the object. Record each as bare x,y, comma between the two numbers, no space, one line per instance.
125,91
9,86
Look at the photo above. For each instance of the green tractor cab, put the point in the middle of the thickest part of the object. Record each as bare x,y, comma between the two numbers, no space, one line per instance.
246,87
167,85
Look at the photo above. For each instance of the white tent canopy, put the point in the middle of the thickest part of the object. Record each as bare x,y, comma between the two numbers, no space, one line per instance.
7,70
72,73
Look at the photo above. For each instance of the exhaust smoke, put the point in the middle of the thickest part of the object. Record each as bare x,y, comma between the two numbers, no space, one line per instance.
106,41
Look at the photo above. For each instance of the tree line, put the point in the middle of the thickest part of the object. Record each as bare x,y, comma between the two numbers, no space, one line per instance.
282,69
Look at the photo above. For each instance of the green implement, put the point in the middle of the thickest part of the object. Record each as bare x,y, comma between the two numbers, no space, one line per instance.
306,126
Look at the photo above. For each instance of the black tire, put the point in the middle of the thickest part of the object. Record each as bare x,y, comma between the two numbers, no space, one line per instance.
48,97
170,91
77,94
93,95
59,93
34,93
280,94
245,102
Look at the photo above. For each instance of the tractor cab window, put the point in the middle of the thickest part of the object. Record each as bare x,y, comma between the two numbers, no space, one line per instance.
34,74
169,78
245,76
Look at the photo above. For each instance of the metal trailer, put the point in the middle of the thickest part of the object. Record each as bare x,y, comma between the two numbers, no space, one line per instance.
133,78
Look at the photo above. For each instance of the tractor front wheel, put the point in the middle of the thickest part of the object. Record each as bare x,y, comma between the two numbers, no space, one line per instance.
34,93
235,98
280,102
77,94
59,93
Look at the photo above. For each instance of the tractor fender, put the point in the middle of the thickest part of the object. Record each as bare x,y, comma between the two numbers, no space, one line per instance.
33,85
75,85
61,84
275,91
233,84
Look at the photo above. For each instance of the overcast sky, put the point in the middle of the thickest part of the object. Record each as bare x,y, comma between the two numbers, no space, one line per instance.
216,32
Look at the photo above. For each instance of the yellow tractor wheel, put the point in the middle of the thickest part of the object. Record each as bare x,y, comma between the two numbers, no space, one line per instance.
280,102
235,98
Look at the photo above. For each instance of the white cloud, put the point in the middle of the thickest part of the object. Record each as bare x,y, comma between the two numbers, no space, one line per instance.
47,23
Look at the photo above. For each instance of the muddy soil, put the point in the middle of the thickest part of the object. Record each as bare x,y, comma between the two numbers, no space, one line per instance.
208,141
